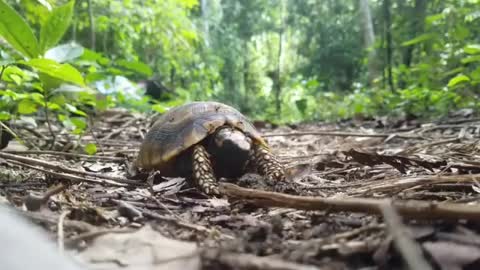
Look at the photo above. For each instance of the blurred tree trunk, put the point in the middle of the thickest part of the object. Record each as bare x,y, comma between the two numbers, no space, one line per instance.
246,84
92,25
277,81
388,41
369,39
205,15
415,27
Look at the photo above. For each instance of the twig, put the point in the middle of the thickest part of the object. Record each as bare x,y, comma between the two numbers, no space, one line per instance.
60,232
70,177
52,220
248,261
402,183
118,131
462,121
179,223
34,202
35,133
344,134
59,153
61,168
342,235
423,146
408,209
408,248
47,119
92,234
90,121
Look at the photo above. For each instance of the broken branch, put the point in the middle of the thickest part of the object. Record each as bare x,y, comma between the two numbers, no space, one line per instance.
408,209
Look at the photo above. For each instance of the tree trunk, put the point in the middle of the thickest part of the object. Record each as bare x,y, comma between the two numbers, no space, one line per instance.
416,27
388,37
369,39
277,81
92,25
246,84
205,15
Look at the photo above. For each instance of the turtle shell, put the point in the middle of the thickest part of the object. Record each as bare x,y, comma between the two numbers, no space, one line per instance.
184,126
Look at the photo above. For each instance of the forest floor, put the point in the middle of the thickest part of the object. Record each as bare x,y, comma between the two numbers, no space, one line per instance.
370,194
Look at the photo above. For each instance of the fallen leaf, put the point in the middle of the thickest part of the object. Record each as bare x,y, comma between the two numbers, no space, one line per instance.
452,256
144,249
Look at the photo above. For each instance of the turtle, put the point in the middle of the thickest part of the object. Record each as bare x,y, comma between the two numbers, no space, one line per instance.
204,141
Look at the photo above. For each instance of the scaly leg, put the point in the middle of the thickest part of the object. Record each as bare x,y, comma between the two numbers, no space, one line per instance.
267,164
202,171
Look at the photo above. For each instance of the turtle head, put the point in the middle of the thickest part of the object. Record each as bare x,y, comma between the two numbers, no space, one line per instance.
232,140
231,150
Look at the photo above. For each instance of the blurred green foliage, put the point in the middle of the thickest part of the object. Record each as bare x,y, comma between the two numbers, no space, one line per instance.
67,58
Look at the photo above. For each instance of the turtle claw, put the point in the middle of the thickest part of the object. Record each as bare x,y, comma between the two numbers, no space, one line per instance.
267,164
203,173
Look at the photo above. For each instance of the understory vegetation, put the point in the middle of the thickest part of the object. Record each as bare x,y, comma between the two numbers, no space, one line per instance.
280,61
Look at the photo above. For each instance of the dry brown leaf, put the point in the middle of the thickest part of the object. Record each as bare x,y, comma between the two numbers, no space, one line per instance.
452,256
144,249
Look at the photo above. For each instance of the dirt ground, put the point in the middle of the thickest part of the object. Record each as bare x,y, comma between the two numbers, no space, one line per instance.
361,194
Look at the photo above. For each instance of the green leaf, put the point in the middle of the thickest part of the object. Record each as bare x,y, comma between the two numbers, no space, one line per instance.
4,116
90,55
27,106
15,30
435,17
53,106
45,4
136,66
56,25
65,52
159,108
64,72
475,74
71,89
74,109
301,105
470,59
90,148
458,79
472,48
418,39
79,123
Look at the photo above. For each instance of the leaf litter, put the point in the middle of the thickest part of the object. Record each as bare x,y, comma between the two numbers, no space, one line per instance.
373,194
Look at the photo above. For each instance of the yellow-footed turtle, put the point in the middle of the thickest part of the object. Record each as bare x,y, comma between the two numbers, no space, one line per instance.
204,141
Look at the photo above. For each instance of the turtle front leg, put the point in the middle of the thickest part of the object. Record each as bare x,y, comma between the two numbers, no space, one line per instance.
267,164
202,171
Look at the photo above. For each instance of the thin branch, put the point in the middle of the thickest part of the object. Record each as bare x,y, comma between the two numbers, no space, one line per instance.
60,232
53,220
65,176
59,153
408,209
344,134
92,234
47,119
402,183
408,248
248,261
61,168
179,223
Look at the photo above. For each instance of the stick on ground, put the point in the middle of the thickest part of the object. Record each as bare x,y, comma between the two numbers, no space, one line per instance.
407,247
407,209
